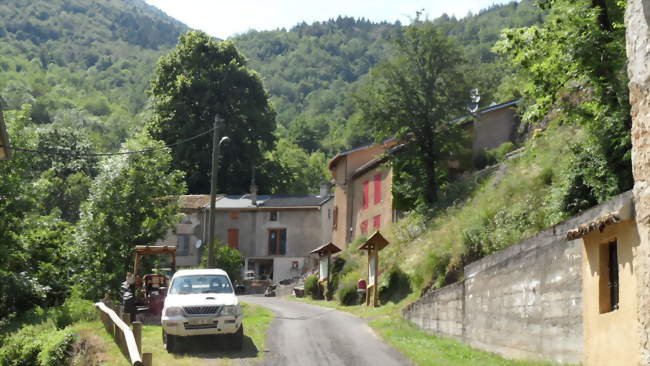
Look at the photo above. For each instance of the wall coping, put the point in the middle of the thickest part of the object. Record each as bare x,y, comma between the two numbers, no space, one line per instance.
621,205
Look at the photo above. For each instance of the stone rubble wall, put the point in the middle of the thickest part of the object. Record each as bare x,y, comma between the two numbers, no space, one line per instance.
637,19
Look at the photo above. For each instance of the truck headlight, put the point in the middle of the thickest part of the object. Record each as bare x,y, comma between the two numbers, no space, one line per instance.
231,310
173,311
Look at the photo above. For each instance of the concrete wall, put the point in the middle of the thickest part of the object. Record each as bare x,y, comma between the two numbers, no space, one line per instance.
522,302
611,337
440,311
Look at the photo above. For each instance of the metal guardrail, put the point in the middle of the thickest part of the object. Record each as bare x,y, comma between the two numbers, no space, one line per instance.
128,340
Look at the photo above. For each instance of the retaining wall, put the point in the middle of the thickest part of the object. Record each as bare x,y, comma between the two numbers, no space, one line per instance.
522,302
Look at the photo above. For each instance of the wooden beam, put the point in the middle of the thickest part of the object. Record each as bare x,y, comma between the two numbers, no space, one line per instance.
126,335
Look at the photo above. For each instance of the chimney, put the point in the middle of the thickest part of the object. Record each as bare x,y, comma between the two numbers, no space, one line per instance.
253,189
324,189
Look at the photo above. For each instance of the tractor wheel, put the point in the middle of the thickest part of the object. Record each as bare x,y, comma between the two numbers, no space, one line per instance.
170,342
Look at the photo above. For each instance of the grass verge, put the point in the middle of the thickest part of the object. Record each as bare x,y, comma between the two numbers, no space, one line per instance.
428,350
202,351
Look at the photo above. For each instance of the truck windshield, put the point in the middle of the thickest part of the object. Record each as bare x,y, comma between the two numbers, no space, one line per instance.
201,284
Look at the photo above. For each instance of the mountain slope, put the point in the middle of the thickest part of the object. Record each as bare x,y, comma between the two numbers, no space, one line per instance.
82,63
312,70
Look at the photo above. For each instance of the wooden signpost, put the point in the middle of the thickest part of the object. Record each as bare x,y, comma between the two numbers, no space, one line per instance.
324,260
373,245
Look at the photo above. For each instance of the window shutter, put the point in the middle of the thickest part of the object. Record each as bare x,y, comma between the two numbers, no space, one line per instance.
376,222
377,188
366,186
364,227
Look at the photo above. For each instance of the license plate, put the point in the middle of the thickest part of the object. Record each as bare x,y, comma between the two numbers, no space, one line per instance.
201,321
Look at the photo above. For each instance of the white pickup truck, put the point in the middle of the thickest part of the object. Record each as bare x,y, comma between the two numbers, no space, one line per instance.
201,302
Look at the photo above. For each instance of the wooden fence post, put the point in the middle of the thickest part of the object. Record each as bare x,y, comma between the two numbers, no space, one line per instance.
147,359
137,333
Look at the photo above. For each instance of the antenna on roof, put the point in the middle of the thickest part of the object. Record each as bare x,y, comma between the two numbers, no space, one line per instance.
475,98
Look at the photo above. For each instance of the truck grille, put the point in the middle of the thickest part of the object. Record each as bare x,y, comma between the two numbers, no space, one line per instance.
201,310
199,326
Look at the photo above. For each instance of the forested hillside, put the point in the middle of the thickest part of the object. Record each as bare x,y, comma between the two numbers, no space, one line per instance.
81,63
312,71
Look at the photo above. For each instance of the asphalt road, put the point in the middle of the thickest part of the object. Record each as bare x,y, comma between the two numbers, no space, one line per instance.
304,335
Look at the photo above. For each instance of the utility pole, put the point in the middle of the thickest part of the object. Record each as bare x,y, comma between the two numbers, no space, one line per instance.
216,145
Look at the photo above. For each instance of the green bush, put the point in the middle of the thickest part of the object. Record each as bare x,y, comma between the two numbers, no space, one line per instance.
313,288
347,294
226,258
56,349
396,287
40,345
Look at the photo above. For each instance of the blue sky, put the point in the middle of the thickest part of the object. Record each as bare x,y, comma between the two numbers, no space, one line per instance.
225,18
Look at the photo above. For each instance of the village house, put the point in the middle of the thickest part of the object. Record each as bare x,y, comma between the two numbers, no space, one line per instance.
363,199
274,233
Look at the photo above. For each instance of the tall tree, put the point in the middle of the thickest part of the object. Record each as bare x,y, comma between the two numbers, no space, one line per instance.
572,67
200,79
128,205
412,97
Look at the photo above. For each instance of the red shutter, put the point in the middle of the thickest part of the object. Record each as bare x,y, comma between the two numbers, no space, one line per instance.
366,186
376,222
377,188
233,238
364,227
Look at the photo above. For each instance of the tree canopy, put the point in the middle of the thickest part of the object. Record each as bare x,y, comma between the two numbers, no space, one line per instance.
413,97
200,79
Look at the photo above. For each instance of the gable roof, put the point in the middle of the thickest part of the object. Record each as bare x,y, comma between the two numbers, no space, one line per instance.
296,201
345,153
195,201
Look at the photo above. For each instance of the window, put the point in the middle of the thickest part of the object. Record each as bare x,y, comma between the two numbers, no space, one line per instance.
233,238
376,222
608,282
203,284
335,218
377,188
183,245
366,186
364,227
234,215
273,216
277,241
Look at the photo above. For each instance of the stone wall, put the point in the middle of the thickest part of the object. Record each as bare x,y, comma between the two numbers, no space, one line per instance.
637,20
522,302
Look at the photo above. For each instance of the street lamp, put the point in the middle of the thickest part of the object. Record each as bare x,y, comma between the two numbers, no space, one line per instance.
216,150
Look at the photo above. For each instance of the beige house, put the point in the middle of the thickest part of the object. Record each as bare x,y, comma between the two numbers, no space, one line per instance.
275,234
609,288
363,199
189,234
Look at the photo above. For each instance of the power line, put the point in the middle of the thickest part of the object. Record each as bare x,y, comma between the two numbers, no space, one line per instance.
63,152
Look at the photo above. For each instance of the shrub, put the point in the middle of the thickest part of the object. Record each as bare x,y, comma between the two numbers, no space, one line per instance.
347,294
226,258
313,288
40,345
396,287
56,349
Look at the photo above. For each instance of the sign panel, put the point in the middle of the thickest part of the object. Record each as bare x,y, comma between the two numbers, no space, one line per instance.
372,265
323,268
